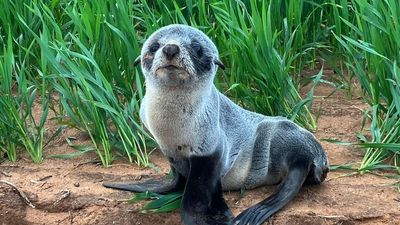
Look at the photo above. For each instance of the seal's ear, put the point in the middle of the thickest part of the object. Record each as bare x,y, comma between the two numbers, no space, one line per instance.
220,64
137,61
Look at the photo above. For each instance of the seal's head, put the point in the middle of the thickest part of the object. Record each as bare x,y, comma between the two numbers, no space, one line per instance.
179,56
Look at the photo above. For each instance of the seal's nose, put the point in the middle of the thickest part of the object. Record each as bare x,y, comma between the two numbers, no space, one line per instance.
170,50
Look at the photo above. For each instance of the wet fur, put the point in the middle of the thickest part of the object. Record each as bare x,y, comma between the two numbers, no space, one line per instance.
213,144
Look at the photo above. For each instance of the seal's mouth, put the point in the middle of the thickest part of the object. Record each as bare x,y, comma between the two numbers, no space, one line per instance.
172,74
171,67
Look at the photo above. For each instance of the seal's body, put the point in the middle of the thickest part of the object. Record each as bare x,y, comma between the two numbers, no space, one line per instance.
213,144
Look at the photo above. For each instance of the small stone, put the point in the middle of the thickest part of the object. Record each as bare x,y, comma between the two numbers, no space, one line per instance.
76,184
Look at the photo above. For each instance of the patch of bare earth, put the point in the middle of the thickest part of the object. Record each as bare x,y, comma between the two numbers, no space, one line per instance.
70,191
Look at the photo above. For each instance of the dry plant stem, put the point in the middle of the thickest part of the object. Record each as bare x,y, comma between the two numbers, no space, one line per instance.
5,174
93,161
15,166
40,183
64,194
342,175
21,193
45,178
332,216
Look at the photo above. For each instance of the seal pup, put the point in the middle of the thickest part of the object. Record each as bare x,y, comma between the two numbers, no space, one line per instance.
212,144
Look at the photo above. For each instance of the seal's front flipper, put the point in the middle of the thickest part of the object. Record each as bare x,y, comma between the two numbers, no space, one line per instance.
162,186
219,212
286,191
203,201
195,211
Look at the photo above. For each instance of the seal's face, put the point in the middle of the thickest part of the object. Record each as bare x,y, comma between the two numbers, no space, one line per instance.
179,55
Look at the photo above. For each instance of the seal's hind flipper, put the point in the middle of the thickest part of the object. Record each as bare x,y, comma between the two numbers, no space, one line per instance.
285,192
162,186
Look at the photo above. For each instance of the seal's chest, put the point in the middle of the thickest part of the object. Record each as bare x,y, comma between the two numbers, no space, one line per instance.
171,126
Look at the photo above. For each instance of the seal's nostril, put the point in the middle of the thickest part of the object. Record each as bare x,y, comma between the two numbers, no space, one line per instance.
170,50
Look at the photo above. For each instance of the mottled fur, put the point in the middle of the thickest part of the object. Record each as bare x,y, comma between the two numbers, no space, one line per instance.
193,122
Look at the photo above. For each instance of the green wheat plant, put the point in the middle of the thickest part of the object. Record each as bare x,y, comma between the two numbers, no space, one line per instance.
18,125
158,203
371,47
98,98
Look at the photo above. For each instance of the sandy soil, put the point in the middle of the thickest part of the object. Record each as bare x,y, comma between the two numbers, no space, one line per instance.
70,191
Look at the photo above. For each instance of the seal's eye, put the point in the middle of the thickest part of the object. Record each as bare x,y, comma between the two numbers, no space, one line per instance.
154,47
197,48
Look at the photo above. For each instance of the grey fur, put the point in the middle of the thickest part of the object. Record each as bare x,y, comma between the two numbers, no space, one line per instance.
188,116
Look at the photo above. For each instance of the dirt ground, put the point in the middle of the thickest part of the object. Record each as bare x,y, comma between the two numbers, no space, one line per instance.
70,191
